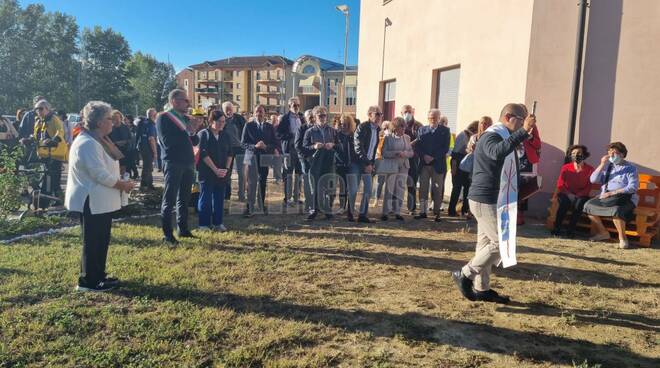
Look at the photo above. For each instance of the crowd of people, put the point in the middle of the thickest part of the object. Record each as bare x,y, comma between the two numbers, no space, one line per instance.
396,163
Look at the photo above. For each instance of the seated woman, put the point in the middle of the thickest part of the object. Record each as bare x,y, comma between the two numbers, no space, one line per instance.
618,197
573,186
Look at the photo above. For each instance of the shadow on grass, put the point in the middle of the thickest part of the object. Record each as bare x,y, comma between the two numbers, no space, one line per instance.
627,320
409,326
12,271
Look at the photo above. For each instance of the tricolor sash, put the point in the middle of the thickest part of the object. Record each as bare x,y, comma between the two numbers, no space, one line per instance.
507,202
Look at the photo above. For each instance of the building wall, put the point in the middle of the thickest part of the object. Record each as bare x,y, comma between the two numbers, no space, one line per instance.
186,79
426,35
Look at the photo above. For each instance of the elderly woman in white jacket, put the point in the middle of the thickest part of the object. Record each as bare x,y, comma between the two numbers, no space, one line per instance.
94,189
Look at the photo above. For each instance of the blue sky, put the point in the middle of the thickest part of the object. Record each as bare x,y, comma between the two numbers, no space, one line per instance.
193,31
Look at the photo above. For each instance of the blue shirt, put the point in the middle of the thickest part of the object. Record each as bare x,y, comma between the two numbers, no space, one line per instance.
623,176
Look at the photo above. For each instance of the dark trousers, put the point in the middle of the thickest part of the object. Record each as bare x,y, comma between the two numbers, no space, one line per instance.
51,182
413,178
178,184
257,178
342,177
322,181
95,233
147,179
238,163
460,181
159,162
211,203
292,176
575,206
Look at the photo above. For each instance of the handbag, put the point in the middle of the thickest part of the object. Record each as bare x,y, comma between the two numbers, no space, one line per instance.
387,166
467,163
58,153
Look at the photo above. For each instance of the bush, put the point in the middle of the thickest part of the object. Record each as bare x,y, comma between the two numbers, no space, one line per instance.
11,184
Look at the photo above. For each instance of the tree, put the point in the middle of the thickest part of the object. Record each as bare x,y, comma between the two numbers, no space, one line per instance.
151,81
37,52
105,55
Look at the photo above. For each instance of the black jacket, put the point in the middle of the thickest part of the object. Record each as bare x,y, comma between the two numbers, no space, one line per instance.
218,150
252,135
302,152
176,145
345,150
287,139
434,144
489,155
362,140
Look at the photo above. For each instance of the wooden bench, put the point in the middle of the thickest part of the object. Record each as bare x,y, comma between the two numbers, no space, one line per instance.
647,214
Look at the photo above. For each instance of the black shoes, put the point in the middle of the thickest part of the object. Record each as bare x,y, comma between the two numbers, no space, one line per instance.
170,240
111,281
491,296
100,287
384,218
364,220
186,234
399,217
350,217
328,216
437,218
464,285
421,216
311,216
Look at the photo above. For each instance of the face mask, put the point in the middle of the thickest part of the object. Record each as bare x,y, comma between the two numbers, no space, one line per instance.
616,159
407,117
578,159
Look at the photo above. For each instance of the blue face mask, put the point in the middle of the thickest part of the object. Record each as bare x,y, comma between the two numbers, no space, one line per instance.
616,159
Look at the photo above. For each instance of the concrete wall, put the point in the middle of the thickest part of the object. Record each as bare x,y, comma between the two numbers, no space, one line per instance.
489,39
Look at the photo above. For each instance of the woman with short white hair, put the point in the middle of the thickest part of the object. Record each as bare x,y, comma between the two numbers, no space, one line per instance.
94,189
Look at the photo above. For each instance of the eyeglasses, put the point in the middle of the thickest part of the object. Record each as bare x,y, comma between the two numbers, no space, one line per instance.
378,113
40,108
295,105
183,99
322,115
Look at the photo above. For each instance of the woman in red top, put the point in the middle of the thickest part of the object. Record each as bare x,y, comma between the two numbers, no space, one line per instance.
573,186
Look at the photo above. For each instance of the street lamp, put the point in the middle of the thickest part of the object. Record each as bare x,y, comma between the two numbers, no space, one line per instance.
388,23
344,10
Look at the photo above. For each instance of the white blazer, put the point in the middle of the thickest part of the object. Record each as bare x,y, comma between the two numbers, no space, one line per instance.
93,173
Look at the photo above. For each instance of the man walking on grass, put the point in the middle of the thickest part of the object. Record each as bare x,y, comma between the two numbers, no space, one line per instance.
493,201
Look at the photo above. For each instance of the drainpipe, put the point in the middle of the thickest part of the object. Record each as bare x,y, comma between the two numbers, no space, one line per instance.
577,73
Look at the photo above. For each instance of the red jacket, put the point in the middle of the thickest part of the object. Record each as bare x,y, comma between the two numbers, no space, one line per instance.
576,183
533,147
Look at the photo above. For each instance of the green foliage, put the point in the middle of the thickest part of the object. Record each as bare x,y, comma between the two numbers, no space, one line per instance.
10,183
37,56
105,55
150,79
44,53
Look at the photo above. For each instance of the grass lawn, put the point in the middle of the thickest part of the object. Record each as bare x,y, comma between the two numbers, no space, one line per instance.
279,292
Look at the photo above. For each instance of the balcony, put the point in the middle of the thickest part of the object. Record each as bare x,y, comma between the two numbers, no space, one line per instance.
269,93
213,91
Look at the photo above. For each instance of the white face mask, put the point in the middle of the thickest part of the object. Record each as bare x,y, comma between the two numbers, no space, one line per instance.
408,117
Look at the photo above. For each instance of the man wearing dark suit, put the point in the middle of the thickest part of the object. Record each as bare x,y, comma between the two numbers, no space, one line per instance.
258,138
366,142
412,130
432,147
177,136
286,132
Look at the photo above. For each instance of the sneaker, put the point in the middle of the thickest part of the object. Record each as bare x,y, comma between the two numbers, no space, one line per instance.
311,216
100,287
421,216
464,285
203,228
600,237
491,296
624,244
220,228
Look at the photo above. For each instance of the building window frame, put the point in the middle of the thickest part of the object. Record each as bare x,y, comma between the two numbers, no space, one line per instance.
435,89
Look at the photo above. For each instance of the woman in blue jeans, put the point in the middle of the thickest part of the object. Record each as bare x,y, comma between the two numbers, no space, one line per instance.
215,156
